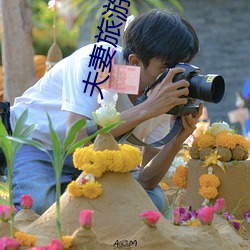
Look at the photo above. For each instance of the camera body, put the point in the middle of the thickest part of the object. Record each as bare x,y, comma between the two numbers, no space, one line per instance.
209,88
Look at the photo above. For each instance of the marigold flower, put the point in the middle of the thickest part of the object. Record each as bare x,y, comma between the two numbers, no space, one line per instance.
193,223
24,239
219,206
75,189
206,215
208,192
26,201
67,242
226,140
92,189
8,243
150,217
94,169
86,218
180,177
206,141
209,180
164,186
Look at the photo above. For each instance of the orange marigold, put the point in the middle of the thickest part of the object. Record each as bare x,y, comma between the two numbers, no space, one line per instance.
206,141
243,141
180,177
226,139
209,180
208,192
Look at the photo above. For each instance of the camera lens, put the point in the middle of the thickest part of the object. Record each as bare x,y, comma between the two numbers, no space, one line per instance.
209,88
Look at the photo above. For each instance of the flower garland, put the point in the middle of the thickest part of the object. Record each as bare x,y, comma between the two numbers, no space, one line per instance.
95,163
208,186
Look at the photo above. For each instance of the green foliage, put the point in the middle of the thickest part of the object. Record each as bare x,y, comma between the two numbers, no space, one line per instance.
94,9
42,19
9,149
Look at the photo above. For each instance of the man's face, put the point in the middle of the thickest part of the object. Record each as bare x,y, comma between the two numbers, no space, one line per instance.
149,75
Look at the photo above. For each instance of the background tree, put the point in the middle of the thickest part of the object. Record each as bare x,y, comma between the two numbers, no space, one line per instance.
17,47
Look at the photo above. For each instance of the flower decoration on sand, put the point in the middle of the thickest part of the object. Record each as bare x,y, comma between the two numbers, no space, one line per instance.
206,215
86,218
26,201
219,206
24,239
105,155
184,217
8,243
220,143
150,217
208,186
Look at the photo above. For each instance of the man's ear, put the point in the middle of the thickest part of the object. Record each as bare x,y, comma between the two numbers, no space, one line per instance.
134,60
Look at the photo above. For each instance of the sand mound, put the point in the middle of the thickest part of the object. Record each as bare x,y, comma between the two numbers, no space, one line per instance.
117,224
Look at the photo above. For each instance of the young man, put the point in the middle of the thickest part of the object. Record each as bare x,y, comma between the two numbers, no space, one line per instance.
153,41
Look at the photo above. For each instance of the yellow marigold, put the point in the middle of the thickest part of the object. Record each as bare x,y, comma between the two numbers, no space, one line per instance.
82,156
75,189
92,189
94,169
164,186
206,141
131,157
209,180
67,242
208,192
225,139
180,177
242,141
193,223
27,240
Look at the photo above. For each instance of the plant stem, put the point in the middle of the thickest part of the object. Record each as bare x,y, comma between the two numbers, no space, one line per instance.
12,213
58,212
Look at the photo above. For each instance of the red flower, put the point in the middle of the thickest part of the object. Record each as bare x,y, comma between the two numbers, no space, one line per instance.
206,215
86,218
8,243
26,201
219,206
150,217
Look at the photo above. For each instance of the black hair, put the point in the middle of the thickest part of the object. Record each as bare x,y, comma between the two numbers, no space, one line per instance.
162,34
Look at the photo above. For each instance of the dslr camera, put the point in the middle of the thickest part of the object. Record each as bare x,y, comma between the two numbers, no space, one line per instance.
209,88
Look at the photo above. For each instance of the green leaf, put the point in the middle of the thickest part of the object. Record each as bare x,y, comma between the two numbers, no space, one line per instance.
5,144
71,136
20,123
56,147
172,207
35,144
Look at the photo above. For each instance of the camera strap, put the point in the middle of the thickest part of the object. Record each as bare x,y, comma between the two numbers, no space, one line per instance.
131,138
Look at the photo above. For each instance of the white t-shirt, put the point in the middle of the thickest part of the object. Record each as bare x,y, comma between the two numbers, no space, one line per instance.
62,89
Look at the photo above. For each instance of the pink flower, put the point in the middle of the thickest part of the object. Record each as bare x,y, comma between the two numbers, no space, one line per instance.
150,217
54,4
5,212
86,218
8,243
219,206
84,180
206,215
176,217
26,201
